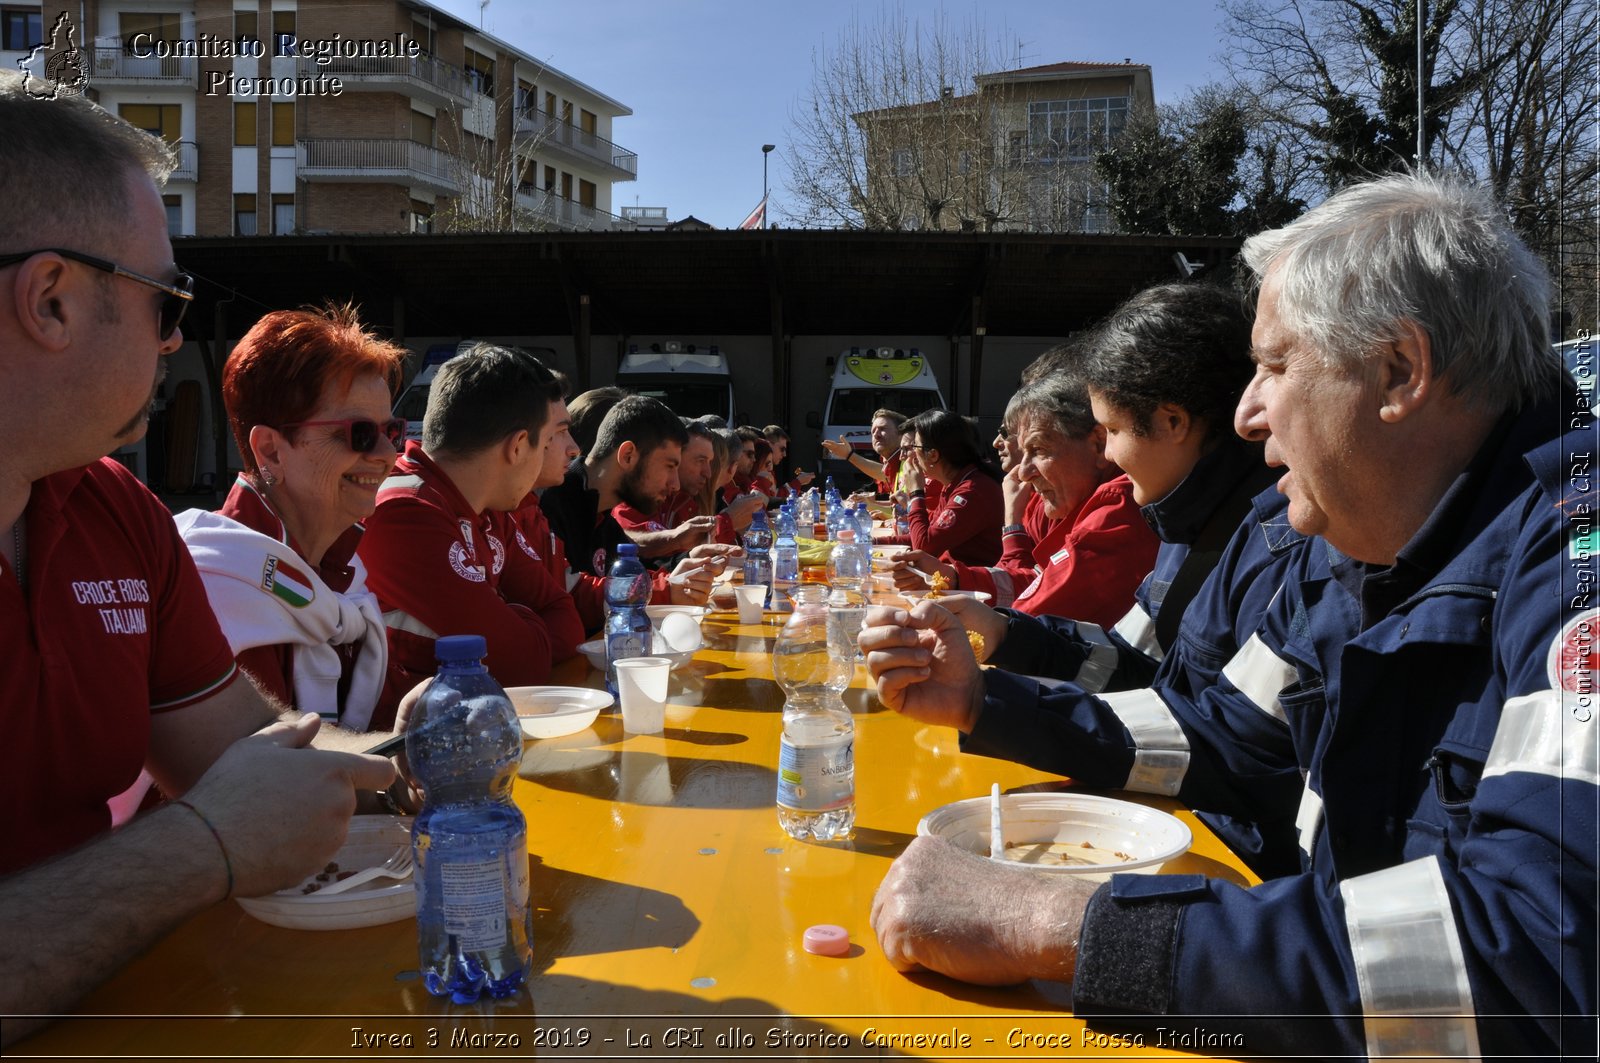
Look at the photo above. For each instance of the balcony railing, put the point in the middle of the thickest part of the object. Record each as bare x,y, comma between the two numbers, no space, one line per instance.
113,63
547,130
423,74
553,211
188,167
378,160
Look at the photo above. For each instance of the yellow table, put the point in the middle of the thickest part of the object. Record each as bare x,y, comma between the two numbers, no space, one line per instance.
669,909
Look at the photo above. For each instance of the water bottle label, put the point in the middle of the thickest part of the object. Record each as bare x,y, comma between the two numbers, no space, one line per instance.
474,898
817,778
625,644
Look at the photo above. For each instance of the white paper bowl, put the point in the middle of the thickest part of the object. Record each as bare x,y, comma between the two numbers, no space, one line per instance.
1146,837
550,712
595,651
371,841
657,612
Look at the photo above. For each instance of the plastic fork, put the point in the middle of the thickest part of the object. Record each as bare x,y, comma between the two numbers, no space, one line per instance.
397,866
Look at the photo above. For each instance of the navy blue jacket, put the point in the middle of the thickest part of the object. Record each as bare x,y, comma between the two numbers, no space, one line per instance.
1438,718
1195,522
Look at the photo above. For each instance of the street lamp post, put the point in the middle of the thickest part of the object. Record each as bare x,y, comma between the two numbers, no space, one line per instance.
766,149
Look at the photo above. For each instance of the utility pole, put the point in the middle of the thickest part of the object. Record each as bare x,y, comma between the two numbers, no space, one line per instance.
766,208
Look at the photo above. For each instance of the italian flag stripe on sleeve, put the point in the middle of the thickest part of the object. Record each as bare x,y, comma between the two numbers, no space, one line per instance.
290,584
197,695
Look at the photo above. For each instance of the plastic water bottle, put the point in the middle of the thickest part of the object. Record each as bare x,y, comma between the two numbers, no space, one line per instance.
474,924
863,526
758,551
849,574
816,755
836,513
807,513
785,560
627,624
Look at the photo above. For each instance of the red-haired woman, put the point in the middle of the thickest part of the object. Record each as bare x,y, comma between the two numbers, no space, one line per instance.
308,395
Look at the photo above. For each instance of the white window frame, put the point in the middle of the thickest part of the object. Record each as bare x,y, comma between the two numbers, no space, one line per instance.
1073,130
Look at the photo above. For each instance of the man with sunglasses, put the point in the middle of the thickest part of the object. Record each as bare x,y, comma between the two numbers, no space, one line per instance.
113,662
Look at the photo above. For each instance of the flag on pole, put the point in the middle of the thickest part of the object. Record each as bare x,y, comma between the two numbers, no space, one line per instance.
757,218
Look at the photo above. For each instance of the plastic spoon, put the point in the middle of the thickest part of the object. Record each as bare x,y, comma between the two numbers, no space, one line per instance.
997,842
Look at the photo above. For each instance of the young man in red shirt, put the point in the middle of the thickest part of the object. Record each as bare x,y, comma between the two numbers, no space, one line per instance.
634,460
442,551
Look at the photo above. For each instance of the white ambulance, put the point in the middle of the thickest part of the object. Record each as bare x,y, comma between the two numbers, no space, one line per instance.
866,379
691,378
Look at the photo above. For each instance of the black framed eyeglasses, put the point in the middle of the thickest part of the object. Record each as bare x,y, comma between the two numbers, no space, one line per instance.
177,295
361,434
907,447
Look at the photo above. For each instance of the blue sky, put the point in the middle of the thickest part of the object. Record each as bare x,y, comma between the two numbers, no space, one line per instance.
710,81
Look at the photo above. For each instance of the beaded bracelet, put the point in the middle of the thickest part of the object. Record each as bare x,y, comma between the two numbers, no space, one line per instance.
226,862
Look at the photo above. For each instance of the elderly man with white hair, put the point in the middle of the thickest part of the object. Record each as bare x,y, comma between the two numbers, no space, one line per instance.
1427,669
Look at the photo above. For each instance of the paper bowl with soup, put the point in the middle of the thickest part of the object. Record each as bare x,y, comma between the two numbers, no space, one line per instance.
1066,833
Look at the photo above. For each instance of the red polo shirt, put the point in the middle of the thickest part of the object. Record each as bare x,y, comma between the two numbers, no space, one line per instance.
440,568
1017,568
964,524
115,626
682,505
633,520
1091,563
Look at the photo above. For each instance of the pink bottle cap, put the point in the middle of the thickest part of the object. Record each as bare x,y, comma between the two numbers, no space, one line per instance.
826,939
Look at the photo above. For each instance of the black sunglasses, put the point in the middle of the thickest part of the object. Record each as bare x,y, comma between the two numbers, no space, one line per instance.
360,434
176,296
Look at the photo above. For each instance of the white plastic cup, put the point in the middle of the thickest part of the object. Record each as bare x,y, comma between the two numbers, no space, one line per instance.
642,689
752,602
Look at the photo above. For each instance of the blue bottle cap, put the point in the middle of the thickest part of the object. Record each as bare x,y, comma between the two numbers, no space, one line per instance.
627,549
453,649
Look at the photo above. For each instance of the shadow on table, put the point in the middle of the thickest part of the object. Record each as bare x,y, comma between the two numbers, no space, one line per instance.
646,777
870,841
863,701
581,915
742,694
734,637
607,730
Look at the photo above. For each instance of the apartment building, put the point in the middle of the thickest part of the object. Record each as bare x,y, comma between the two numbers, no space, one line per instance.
363,116
1014,154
